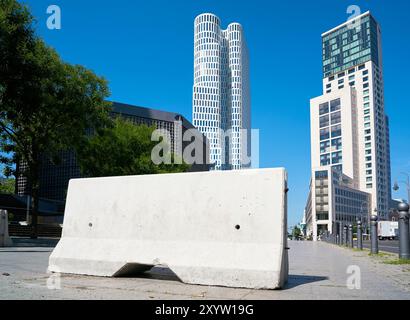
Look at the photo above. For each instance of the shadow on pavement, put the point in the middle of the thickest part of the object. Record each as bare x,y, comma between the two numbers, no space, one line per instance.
159,273
298,280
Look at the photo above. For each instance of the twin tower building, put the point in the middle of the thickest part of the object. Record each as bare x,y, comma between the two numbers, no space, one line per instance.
221,95
350,147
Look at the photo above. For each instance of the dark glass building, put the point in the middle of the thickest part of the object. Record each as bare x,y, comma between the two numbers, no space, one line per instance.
54,178
350,45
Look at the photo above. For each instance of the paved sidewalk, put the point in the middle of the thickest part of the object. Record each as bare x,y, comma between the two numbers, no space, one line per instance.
317,271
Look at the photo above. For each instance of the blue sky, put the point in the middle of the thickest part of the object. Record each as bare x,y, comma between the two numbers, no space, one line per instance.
145,50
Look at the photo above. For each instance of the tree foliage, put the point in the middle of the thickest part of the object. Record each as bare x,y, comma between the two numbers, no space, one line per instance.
7,186
296,232
120,150
46,105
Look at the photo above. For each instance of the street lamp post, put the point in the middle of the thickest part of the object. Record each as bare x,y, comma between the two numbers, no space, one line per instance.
359,235
405,182
367,214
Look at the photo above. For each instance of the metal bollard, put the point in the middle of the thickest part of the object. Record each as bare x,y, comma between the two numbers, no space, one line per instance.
373,235
350,236
345,236
359,235
404,241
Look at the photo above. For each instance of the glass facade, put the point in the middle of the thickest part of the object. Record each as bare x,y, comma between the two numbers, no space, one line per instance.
350,45
322,195
330,133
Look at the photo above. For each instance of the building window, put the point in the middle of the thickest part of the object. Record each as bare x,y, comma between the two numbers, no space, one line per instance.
336,117
334,105
325,160
324,134
336,131
337,144
325,146
324,108
324,121
336,157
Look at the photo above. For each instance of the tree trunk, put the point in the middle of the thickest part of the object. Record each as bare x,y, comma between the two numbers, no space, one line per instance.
34,212
35,191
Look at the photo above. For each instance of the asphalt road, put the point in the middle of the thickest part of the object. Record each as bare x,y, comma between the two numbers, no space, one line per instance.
385,245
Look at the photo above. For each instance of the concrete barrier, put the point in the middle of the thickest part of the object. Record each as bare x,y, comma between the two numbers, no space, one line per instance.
212,228
5,240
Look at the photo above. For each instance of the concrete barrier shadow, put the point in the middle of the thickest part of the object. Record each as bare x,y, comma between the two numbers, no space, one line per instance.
298,280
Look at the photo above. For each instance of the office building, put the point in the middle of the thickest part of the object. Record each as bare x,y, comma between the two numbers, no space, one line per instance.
221,94
54,178
349,130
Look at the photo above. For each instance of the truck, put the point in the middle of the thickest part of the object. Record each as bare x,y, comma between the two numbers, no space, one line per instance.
388,230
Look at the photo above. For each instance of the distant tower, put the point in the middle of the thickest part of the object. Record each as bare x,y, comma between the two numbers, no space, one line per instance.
221,94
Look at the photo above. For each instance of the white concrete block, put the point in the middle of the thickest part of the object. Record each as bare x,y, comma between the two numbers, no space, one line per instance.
5,240
210,228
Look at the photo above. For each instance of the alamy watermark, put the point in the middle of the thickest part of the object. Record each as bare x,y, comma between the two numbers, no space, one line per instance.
235,147
354,11
54,20
354,280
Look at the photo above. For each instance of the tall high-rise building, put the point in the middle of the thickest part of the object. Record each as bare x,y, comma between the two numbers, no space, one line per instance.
221,94
349,129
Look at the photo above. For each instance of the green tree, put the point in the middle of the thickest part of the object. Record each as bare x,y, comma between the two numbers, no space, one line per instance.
120,150
7,186
296,232
46,105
